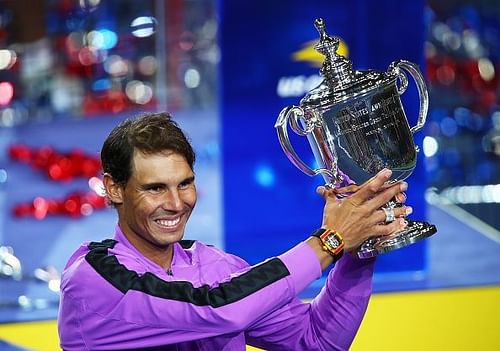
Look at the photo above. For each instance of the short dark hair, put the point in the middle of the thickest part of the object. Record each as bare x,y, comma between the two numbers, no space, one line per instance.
149,133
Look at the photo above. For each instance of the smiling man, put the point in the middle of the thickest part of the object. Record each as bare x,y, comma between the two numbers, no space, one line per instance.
148,289
156,202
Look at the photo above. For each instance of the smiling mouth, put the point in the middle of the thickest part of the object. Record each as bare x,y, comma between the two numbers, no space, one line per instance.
169,223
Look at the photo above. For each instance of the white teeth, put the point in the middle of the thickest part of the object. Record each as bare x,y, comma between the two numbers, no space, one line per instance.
168,223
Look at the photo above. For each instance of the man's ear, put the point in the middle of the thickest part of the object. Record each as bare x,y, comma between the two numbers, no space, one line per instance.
114,190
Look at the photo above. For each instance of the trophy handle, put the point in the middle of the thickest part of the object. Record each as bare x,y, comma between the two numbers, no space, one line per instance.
422,89
281,126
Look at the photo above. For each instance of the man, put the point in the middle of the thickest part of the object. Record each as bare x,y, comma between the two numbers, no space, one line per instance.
149,289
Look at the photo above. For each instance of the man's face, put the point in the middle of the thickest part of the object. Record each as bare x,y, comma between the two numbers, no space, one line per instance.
157,200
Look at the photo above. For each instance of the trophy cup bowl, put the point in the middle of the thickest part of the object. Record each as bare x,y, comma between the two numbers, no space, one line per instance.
356,126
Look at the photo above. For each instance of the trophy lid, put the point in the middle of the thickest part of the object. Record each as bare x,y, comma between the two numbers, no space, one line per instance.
340,81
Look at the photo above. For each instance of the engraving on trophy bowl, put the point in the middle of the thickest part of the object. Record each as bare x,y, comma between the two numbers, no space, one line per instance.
372,133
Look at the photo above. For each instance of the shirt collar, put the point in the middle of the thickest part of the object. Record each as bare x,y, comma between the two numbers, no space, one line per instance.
179,256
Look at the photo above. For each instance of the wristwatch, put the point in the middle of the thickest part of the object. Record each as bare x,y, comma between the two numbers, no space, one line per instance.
331,241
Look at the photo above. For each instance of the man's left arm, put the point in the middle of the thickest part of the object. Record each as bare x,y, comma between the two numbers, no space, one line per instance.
329,322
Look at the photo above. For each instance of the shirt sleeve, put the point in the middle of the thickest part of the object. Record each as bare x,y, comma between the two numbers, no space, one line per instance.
119,308
329,322
346,180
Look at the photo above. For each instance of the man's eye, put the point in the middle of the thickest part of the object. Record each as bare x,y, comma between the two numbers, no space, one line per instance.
155,189
186,184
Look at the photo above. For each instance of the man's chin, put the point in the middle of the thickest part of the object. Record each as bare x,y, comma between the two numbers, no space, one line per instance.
172,239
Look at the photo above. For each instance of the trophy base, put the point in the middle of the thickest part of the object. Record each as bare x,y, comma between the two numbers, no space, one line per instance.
415,231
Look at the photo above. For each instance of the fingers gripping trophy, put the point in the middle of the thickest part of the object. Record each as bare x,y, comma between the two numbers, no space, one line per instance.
356,126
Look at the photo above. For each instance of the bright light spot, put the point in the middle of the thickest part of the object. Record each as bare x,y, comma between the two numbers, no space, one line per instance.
116,66
67,93
209,29
7,59
192,78
139,92
86,56
496,119
40,303
431,146
108,37
41,274
440,30
473,194
41,60
54,285
143,26
89,5
7,270
452,40
488,193
486,69
6,93
95,39
3,175
147,65
86,209
41,206
8,118
23,301
471,43
496,193
97,186
264,176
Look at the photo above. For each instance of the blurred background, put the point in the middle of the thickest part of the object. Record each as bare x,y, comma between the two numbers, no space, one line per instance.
70,70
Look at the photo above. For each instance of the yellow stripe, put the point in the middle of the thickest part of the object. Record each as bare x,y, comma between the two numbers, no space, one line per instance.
455,319
37,336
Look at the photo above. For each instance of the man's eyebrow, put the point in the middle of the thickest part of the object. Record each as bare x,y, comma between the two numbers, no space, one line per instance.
153,185
188,180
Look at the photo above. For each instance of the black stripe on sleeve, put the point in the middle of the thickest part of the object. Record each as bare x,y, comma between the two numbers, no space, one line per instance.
236,289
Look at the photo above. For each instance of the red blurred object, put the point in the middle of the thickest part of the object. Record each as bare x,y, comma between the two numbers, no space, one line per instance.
57,166
74,205
23,210
464,78
20,153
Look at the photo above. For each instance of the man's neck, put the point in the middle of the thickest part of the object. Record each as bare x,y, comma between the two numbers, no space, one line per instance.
162,256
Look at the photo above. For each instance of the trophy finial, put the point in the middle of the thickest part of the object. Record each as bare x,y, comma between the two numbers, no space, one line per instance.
319,23
336,68
327,45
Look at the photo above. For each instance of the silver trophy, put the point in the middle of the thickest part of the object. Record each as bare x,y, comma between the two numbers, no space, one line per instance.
356,126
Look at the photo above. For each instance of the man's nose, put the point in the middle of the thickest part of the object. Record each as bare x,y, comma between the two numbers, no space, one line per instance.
173,201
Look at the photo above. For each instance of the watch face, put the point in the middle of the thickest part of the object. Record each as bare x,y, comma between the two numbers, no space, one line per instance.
332,241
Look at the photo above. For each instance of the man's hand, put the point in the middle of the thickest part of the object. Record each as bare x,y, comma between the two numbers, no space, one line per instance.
359,215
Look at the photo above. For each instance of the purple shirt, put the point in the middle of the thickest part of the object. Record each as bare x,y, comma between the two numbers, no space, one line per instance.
114,298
